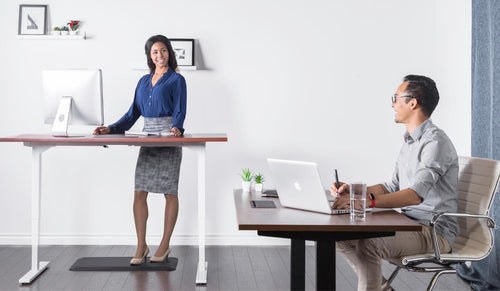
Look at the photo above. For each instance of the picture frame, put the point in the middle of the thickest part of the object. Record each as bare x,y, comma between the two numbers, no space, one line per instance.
32,19
184,51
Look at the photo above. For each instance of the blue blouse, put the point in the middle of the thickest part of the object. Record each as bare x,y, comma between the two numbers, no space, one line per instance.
166,98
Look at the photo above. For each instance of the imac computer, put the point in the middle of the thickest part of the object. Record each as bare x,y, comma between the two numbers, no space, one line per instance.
72,97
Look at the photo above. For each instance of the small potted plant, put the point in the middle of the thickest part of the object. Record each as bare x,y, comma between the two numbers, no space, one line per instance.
64,30
247,177
56,31
259,179
73,26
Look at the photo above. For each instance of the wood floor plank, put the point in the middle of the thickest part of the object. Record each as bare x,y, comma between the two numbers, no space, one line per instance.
452,281
179,252
212,255
15,265
147,280
244,271
311,267
347,279
229,268
73,280
399,282
310,281
92,280
190,267
7,256
261,271
116,280
281,275
343,268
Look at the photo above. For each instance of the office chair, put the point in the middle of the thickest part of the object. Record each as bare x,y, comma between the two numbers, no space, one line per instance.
477,184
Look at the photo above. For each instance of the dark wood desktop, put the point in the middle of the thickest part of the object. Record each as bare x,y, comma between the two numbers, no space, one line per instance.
325,229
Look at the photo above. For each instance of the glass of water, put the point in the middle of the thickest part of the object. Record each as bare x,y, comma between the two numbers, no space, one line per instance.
358,201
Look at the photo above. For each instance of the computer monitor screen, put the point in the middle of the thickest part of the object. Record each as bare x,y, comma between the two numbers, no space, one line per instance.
72,97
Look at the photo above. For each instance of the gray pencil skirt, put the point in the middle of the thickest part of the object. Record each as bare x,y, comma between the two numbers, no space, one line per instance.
158,168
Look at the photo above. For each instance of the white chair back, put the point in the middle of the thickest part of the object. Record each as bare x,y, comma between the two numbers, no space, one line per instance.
477,184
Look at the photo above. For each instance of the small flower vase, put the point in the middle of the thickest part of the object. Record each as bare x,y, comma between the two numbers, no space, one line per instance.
258,187
55,32
246,186
73,32
64,32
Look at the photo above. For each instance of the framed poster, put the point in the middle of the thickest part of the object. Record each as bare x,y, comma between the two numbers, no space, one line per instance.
184,51
32,19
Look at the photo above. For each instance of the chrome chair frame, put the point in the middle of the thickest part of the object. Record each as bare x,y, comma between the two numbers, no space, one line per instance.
444,263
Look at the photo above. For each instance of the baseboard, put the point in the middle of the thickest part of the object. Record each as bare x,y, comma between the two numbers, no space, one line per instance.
247,238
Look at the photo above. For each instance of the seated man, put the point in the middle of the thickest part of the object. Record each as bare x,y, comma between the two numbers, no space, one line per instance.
424,183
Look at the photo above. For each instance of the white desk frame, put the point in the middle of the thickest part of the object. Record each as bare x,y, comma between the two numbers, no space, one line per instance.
38,147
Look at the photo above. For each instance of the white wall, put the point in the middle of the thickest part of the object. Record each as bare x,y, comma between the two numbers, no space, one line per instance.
305,80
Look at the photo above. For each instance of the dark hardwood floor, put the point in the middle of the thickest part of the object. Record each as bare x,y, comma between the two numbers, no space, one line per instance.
229,268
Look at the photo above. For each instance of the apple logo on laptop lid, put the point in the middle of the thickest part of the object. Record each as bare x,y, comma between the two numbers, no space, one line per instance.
297,186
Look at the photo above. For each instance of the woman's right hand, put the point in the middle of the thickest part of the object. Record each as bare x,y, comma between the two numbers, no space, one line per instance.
342,190
102,130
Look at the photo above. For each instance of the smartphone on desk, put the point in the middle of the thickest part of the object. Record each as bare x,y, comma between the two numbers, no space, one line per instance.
270,193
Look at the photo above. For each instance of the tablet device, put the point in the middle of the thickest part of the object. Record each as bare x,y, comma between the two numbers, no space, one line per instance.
262,204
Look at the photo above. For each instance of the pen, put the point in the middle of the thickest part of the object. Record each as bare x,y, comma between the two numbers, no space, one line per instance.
337,179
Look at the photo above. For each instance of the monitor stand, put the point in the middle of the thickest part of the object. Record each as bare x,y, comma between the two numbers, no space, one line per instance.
60,126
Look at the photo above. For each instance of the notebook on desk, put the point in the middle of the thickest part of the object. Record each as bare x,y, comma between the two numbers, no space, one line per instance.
299,186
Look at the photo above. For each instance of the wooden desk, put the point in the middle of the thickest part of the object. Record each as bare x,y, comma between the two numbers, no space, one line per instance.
325,229
40,143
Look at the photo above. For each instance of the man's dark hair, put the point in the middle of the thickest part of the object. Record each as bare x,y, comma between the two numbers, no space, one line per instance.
172,61
424,90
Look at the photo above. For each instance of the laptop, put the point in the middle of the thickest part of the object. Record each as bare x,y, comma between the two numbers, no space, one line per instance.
299,186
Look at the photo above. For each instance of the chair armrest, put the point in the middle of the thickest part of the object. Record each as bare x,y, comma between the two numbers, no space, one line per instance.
437,252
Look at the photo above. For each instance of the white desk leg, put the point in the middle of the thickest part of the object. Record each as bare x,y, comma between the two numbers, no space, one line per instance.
201,273
36,186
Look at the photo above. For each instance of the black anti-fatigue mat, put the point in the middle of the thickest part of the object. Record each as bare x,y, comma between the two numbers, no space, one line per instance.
121,264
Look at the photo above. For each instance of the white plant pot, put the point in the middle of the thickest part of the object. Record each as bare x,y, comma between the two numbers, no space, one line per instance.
73,32
64,32
55,32
258,187
245,186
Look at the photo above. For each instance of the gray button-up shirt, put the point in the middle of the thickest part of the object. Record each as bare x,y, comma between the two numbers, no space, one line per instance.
428,164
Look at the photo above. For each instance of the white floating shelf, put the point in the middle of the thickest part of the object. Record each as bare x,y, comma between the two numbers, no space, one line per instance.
53,37
181,68
187,68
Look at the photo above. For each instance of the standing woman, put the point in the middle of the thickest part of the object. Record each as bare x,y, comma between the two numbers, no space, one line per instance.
160,97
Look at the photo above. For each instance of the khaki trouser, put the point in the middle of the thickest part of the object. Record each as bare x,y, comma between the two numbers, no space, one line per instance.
365,255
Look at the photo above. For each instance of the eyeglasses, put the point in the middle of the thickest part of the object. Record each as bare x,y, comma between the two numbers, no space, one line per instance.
394,97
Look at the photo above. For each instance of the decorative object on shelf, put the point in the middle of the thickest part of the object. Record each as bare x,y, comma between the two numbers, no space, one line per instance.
247,177
259,180
184,51
56,31
74,25
32,19
64,30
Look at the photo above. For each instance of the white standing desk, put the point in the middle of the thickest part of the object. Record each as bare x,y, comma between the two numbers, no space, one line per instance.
40,143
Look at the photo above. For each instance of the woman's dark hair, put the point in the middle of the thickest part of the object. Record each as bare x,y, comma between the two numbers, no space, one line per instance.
172,61
424,90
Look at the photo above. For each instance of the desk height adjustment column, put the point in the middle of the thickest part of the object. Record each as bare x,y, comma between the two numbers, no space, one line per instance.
201,273
36,186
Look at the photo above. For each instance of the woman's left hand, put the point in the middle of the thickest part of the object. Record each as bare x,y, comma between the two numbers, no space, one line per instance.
175,131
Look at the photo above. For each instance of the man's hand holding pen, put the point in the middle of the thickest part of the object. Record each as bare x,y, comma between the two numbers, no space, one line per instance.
340,191
342,195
